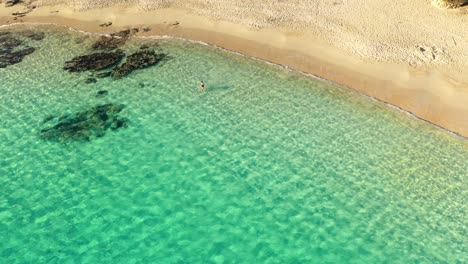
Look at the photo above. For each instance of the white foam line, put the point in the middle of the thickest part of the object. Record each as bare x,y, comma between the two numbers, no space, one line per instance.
285,67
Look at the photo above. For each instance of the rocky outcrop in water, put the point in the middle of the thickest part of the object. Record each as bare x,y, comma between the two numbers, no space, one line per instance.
113,41
90,80
33,35
10,52
8,42
83,126
138,60
12,48
103,74
101,94
14,57
108,59
108,43
94,62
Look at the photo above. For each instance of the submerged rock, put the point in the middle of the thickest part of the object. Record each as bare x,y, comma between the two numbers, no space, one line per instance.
90,80
47,119
103,74
33,35
8,42
83,126
95,61
101,93
124,33
112,41
108,43
138,60
10,51
14,57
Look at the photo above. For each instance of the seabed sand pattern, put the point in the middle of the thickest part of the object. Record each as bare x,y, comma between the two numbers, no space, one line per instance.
267,166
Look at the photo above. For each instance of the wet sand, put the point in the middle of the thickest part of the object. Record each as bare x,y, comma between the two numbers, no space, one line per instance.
433,91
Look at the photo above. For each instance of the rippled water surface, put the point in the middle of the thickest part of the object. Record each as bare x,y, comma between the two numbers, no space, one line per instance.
267,166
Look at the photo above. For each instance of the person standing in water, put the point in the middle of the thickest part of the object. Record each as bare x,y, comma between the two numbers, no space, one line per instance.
203,86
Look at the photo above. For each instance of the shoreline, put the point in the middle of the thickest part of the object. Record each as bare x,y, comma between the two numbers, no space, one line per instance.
428,95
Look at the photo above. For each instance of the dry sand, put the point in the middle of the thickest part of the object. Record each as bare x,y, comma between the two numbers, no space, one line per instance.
407,53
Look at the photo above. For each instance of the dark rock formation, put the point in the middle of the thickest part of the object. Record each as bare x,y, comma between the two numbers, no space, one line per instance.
123,34
8,42
33,35
103,74
14,57
101,93
90,80
83,126
109,43
450,3
47,119
9,3
10,52
107,24
23,13
95,61
112,41
138,60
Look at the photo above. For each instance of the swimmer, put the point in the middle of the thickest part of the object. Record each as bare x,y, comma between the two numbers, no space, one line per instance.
203,86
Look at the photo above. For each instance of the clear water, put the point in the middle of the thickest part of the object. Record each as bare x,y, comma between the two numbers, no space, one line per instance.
268,166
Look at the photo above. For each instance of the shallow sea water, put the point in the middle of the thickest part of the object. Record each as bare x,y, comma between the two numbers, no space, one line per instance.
268,166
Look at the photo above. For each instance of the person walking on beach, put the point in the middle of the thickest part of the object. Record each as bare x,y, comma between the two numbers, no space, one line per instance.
203,86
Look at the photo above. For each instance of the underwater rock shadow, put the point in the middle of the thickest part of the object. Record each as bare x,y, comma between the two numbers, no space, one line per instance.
14,57
33,35
8,42
139,60
85,125
12,50
219,88
114,40
94,62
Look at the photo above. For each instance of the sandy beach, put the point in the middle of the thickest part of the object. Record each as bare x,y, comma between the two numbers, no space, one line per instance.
410,55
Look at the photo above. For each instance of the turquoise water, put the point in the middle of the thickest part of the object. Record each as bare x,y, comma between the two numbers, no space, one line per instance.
267,166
